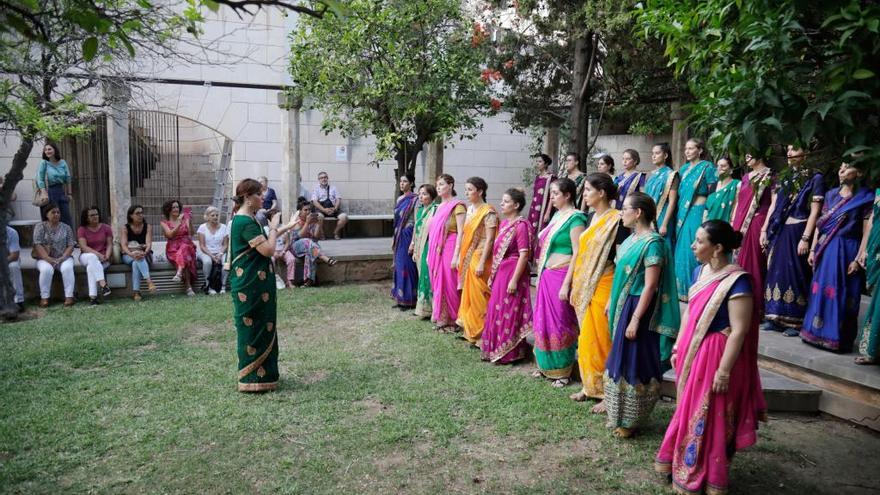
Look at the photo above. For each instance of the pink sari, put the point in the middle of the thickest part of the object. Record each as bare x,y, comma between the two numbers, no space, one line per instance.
752,206
708,428
444,278
180,250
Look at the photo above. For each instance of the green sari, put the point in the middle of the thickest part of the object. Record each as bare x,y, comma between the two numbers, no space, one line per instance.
424,295
719,206
633,256
696,180
252,279
869,335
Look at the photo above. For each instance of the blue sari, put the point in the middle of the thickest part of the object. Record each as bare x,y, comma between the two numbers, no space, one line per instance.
406,276
658,186
695,181
626,185
833,306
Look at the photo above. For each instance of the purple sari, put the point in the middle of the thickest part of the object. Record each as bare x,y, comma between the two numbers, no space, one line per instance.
539,207
833,308
406,276
509,316
444,278
626,185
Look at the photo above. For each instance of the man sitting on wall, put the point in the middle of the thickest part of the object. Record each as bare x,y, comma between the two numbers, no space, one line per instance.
326,201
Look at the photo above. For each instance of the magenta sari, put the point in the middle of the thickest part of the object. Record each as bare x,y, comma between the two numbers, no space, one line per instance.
508,316
180,250
444,278
708,428
752,206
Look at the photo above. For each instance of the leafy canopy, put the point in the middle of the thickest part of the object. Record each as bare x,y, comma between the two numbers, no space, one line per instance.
402,71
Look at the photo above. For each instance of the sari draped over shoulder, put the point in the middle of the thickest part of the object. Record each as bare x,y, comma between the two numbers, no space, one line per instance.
869,333
252,280
833,308
707,427
720,204
540,204
423,216
628,184
444,278
474,288
658,186
695,182
590,289
509,316
634,368
406,280
752,206
555,322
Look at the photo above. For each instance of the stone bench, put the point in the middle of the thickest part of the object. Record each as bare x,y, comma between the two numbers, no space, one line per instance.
377,225
25,229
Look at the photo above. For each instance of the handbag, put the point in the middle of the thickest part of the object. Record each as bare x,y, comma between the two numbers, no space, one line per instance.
41,200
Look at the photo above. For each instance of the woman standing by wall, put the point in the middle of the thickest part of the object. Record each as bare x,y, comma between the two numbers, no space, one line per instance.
749,219
555,322
722,201
662,186
592,280
833,307
252,282
540,210
605,165
444,244
419,248
475,259
697,178
53,180
180,250
719,398
509,313
406,278
641,309
136,243
630,180
787,233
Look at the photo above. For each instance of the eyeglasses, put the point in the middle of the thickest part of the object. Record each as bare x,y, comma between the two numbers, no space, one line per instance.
138,212
320,177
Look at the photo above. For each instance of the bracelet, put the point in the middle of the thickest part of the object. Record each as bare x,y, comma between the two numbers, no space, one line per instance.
805,239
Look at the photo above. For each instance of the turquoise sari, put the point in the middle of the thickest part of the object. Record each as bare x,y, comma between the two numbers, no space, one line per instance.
695,181
659,184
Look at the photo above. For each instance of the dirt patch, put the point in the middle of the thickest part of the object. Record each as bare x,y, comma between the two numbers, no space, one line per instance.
204,336
315,377
372,408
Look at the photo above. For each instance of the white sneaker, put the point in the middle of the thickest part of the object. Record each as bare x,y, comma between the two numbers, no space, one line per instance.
190,293
176,278
212,292
223,291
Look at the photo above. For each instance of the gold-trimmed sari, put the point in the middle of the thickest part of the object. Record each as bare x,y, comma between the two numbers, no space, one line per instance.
475,289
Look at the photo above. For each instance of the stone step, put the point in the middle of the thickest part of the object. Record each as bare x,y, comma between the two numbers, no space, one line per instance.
781,393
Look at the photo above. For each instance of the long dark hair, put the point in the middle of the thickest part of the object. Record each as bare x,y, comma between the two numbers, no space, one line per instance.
55,148
166,208
664,147
131,210
84,215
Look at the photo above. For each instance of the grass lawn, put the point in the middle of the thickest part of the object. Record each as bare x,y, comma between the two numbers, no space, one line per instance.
141,398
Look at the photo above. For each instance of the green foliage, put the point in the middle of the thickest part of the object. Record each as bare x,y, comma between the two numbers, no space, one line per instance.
767,73
404,72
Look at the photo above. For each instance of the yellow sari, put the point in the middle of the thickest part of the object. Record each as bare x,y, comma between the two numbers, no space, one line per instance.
591,288
474,289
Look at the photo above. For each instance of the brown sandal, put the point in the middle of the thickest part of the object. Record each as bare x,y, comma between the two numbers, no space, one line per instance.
864,360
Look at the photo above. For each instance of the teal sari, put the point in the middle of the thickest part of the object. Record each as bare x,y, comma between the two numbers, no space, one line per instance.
719,206
695,181
658,186
869,335
424,295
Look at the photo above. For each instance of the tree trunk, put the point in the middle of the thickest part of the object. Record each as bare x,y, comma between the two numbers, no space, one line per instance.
578,121
406,156
8,308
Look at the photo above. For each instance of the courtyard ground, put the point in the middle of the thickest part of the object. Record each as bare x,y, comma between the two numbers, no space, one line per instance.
140,398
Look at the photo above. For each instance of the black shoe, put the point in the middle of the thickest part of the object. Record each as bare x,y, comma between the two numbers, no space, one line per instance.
94,301
105,291
20,307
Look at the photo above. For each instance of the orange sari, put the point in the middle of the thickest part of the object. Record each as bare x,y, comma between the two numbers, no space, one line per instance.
475,288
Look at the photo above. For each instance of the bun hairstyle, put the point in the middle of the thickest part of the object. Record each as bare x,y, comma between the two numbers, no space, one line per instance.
411,178
546,159
575,154
642,201
449,180
480,185
430,189
244,189
567,187
634,155
517,196
664,147
302,202
720,232
604,183
608,161
699,143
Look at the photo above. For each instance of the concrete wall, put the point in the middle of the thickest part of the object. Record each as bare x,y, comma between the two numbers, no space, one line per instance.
614,144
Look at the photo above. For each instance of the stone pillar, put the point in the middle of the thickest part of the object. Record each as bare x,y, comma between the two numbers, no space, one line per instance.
551,144
119,169
434,161
290,164
679,132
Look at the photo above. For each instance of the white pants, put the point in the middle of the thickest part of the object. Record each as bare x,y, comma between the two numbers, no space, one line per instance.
17,283
208,263
46,273
94,270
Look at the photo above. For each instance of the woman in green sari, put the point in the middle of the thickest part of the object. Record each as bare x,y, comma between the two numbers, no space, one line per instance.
722,202
419,249
697,178
868,340
252,278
